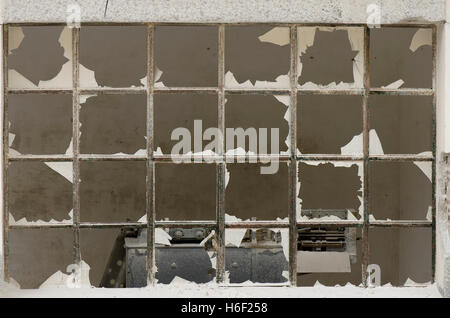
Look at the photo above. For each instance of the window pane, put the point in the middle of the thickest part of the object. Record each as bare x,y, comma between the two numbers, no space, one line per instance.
113,124
112,191
404,255
403,124
338,68
400,57
40,192
40,56
400,190
252,195
40,124
257,56
329,190
185,191
329,124
191,115
186,56
113,56
329,255
258,124
37,254
261,256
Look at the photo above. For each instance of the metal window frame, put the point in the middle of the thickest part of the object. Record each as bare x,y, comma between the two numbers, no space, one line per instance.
151,159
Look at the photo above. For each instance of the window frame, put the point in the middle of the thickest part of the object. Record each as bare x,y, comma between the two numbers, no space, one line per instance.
219,225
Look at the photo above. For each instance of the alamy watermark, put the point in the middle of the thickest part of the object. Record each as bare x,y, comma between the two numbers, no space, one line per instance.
257,145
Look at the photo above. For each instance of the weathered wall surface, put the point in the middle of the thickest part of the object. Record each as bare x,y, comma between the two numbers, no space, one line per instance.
304,11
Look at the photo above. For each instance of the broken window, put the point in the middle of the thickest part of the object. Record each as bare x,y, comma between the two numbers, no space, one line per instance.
40,257
196,114
251,195
331,191
113,124
103,250
257,56
112,191
40,192
339,68
329,124
40,56
185,191
401,57
185,57
403,124
51,134
113,56
329,255
403,254
305,158
400,190
257,256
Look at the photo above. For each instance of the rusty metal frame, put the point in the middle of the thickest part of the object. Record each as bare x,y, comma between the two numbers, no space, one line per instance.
219,224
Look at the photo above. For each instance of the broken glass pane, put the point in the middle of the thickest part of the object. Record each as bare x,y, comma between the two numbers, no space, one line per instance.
112,191
104,251
329,124
339,68
185,191
400,57
400,190
39,255
329,255
40,56
188,118
255,194
40,192
186,56
329,191
257,256
403,124
257,56
257,124
402,254
113,56
40,124
113,124
190,257
181,254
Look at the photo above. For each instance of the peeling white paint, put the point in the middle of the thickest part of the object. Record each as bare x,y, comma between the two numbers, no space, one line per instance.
424,166
375,147
162,237
421,37
394,85
282,81
15,37
278,36
87,77
24,221
63,168
84,98
206,239
410,283
355,146
234,237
